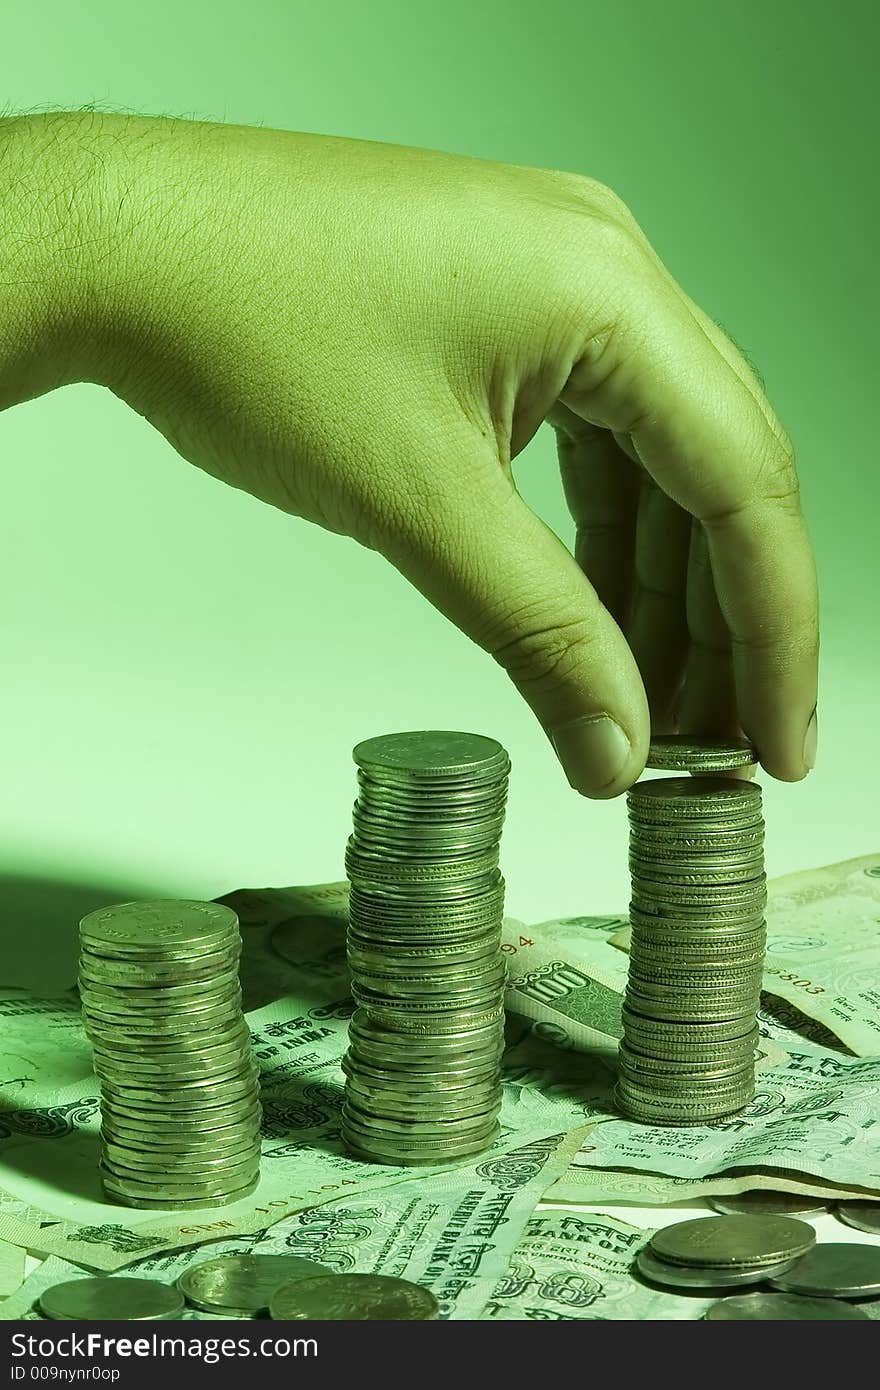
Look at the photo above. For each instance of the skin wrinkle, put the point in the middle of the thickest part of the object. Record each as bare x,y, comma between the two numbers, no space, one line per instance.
366,335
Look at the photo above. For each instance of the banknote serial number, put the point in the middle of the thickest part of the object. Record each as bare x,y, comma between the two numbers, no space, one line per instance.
794,979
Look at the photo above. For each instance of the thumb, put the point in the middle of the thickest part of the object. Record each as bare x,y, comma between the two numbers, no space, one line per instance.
504,578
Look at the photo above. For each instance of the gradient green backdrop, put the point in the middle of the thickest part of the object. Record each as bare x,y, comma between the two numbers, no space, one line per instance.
186,670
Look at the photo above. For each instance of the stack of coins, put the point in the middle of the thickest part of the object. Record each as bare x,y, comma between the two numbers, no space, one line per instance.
724,1251
698,937
180,1109
422,1071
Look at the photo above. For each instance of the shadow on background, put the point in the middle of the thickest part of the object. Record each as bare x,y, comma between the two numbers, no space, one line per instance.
40,919
303,956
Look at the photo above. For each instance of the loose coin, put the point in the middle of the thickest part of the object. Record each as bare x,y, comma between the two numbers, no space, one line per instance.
353,1298
864,1216
701,1276
732,1241
757,1202
780,1307
111,1298
243,1283
834,1271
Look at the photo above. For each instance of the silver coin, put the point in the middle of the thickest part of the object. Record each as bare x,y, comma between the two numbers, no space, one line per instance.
353,1298
158,924
701,1276
834,1271
441,754
758,1202
173,1191
780,1307
143,1163
154,974
160,1120
656,1109
705,1031
466,1126
714,1065
157,1145
189,1093
202,1203
702,796
732,1241
864,1216
394,1158
692,753
243,1283
111,1298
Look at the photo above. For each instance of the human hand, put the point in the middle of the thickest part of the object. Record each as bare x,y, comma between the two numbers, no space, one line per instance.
367,335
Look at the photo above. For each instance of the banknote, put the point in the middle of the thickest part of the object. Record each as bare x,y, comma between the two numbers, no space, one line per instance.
565,976
568,979
295,977
578,1266
816,1115
823,949
454,1232
12,1261
50,1195
583,1186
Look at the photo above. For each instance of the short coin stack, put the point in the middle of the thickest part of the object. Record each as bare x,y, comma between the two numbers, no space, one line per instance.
424,947
719,1252
698,937
180,1110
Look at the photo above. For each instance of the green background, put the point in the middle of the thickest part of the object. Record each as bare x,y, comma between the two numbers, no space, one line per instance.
186,670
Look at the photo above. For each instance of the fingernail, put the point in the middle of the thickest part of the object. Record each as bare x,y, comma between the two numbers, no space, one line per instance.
592,751
810,741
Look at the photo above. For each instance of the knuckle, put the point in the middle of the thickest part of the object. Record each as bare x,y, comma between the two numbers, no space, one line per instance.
777,478
541,656
601,201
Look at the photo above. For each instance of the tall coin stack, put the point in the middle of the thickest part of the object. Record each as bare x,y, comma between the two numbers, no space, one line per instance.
698,935
423,1081
180,1109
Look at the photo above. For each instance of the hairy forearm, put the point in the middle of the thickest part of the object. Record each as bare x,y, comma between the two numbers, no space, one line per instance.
84,264
47,247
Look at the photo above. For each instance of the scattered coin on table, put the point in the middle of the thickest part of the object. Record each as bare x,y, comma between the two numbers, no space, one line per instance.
834,1271
781,1307
731,1242
354,1298
108,1299
702,1277
243,1283
863,1216
757,1202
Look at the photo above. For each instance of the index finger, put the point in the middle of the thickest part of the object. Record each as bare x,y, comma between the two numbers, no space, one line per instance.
653,372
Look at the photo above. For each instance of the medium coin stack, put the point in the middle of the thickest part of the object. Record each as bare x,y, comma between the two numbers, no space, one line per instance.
698,937
423,1080
180,1109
